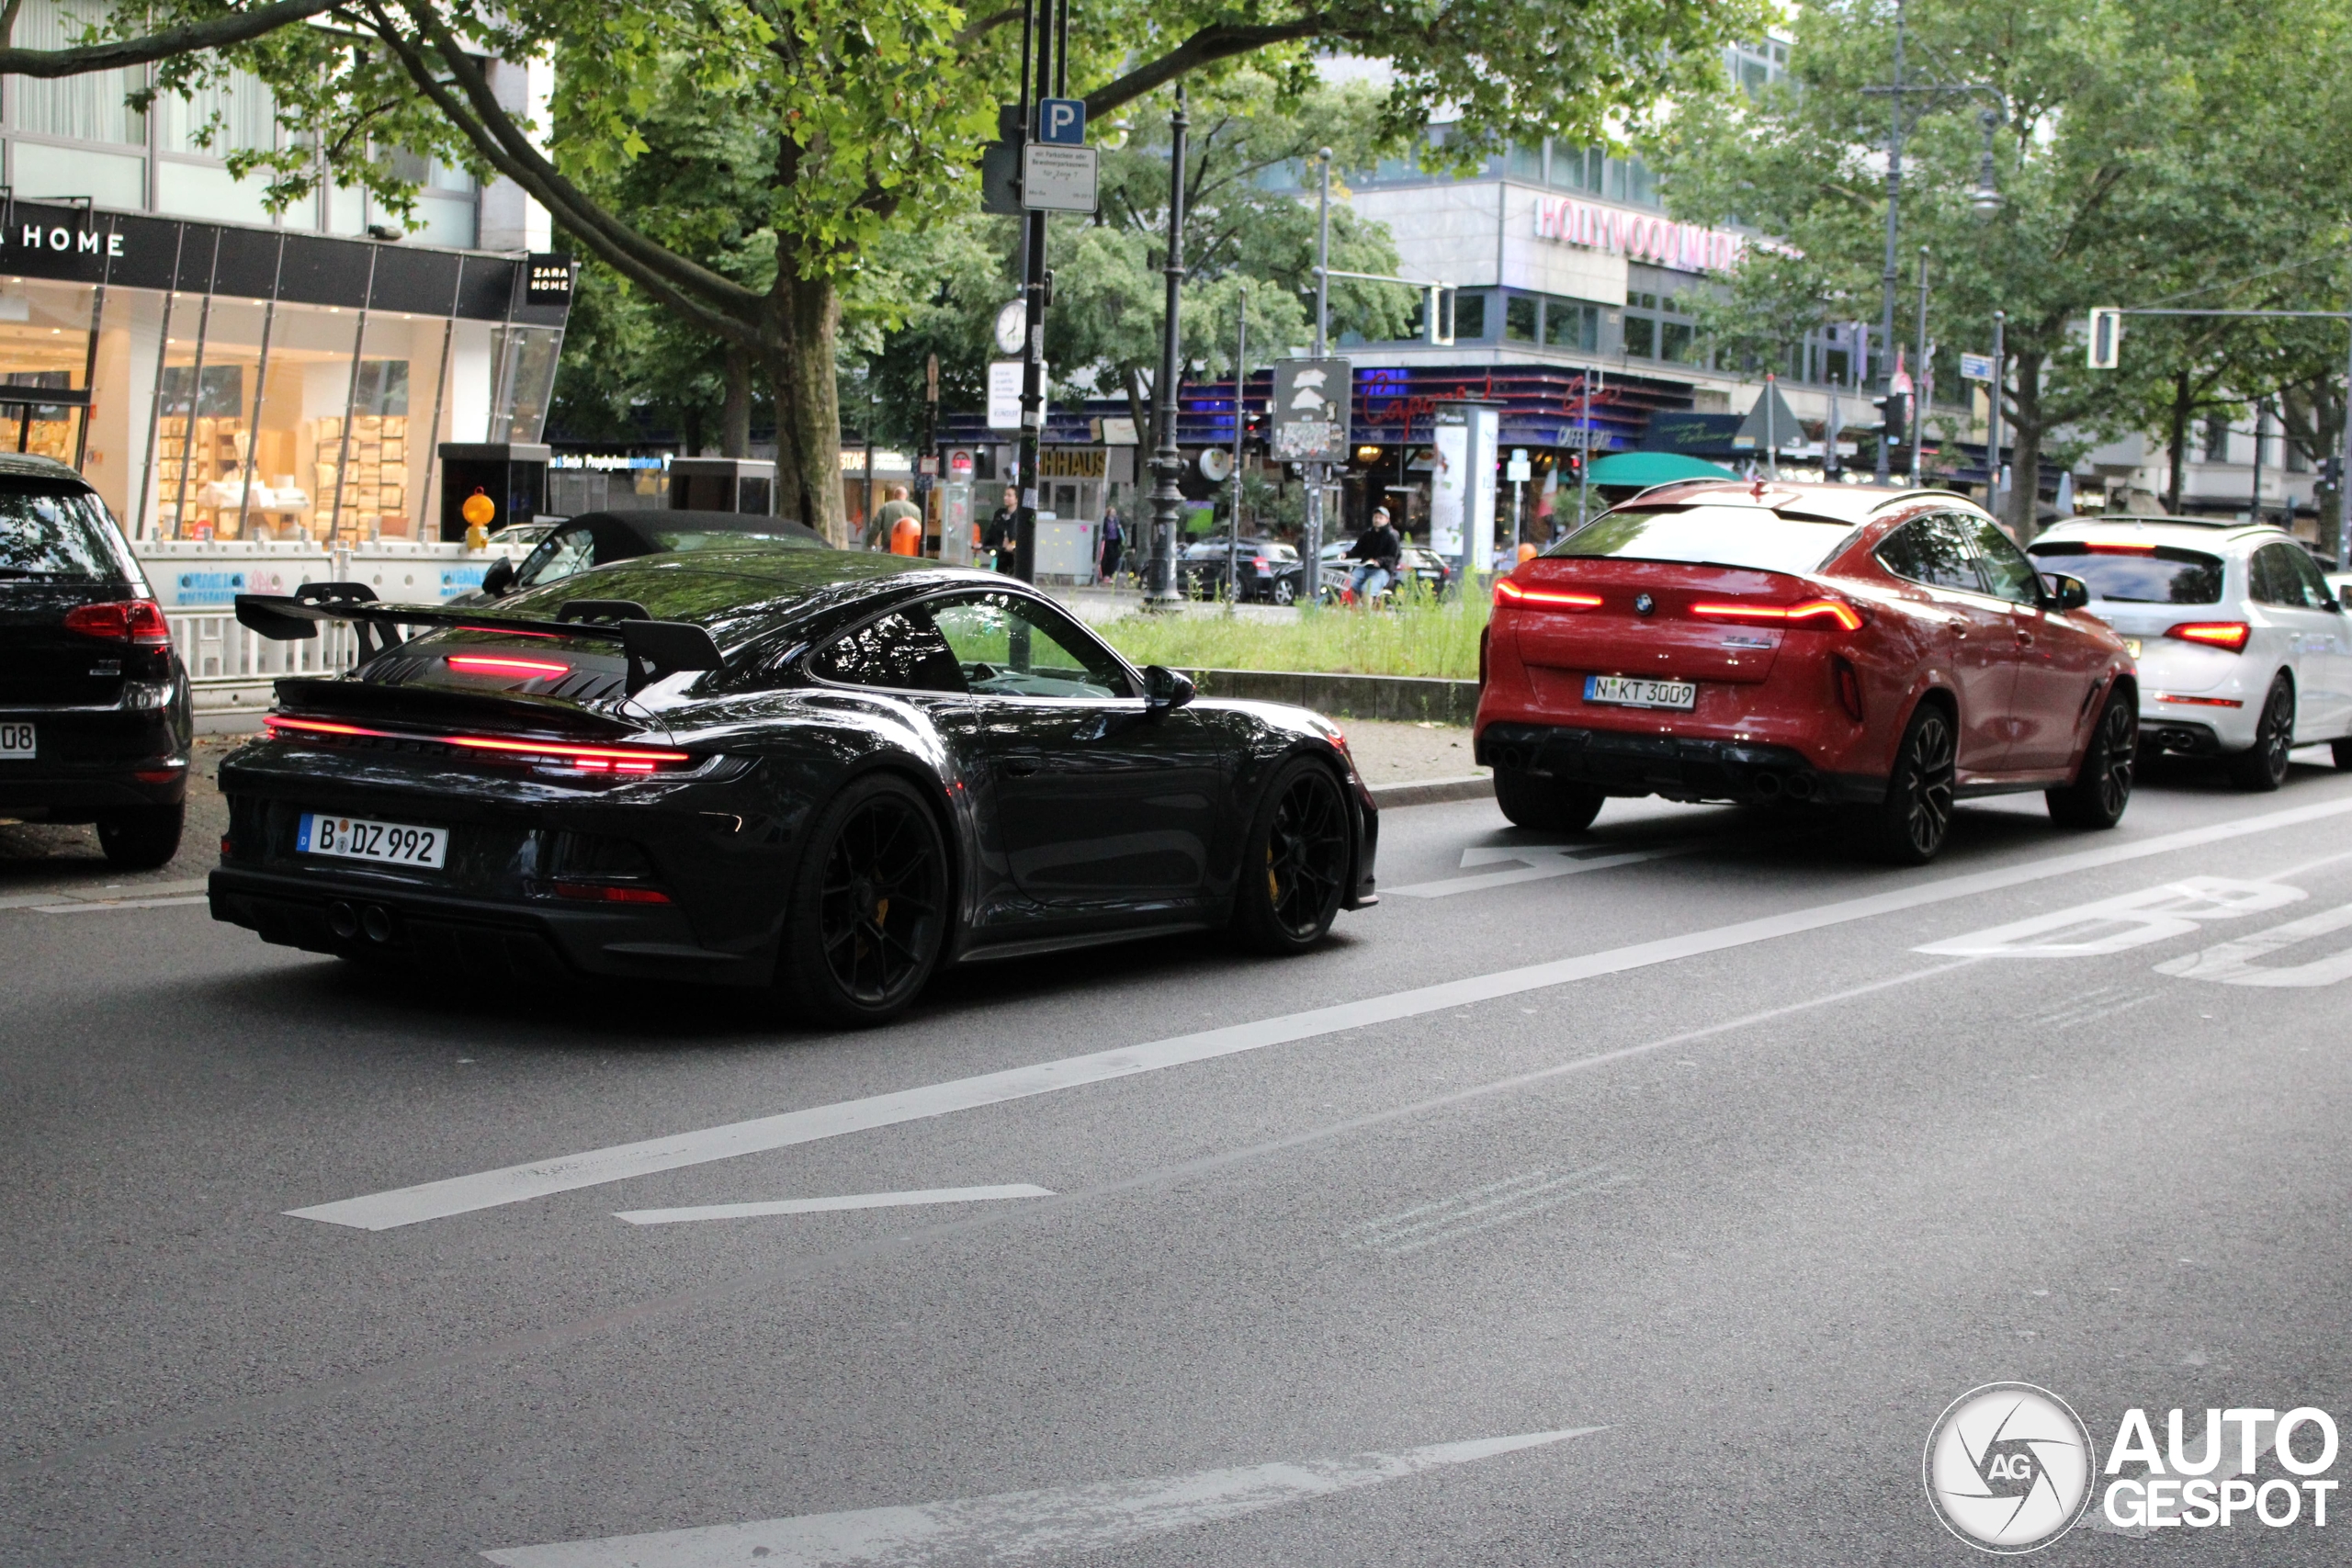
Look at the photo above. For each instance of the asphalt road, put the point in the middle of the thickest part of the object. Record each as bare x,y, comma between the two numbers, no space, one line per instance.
1672,1138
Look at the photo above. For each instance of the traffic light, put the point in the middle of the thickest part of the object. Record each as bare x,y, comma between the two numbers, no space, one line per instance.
2331,470
2105,337
1893,417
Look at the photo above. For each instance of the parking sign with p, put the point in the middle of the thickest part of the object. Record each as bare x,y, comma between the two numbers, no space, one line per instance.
1061,122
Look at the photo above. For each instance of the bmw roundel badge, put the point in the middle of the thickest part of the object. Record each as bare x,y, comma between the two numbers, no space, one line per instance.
1644,604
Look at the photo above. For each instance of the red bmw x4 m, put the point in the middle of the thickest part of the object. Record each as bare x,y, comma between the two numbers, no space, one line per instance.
1890,651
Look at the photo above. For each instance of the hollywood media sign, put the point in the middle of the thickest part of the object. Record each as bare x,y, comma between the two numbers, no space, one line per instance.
1686,247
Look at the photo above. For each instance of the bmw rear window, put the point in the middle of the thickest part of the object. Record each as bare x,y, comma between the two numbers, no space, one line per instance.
2136,574
1751,538
57,536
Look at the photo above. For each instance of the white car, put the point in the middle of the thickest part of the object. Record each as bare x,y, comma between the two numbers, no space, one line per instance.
2244,651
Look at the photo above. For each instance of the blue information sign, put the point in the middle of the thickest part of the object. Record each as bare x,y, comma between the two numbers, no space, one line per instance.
1062,121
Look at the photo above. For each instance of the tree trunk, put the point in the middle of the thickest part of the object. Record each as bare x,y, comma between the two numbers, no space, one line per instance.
2025,479
2182,408
735,417
805,319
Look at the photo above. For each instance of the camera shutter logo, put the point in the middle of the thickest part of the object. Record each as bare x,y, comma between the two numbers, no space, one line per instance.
2009,1468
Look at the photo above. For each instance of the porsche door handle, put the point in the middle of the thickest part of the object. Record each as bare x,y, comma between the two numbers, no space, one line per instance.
1019,763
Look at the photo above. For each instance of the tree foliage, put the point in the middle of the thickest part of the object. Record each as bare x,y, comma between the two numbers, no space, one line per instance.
2141,150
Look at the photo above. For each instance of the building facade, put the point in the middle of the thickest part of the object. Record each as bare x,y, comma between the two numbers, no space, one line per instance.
221,371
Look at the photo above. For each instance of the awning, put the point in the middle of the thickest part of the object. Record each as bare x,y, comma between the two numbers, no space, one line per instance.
1641,469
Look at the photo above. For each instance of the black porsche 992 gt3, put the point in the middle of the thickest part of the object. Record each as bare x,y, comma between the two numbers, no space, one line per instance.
828,773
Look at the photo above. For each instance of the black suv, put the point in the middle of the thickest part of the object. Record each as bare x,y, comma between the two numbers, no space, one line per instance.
95,714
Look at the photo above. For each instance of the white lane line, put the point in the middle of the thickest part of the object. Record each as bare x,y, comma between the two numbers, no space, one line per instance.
1541,861
85,907
593,1167
1013,1526
831,1205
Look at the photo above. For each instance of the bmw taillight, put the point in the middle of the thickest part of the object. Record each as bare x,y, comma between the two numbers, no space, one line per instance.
1817,614
2229,635
138,622
1537,596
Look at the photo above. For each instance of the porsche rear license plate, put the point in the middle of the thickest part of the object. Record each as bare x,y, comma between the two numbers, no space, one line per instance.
389,843
16,740
1626,691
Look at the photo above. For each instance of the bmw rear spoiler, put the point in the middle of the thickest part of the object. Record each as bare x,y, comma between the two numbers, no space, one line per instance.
653,648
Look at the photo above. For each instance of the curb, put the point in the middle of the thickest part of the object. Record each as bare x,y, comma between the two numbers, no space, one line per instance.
1348,696
1433,791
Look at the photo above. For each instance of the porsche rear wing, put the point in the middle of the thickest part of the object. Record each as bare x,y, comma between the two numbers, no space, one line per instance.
653,648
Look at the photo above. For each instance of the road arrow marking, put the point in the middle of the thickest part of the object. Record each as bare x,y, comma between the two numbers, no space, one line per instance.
1537,861
1010,1527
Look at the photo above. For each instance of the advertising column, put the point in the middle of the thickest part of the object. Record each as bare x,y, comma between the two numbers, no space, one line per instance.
1462,490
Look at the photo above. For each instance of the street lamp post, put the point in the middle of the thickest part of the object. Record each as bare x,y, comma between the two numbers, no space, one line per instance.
1167,497
1992,415
1311,572
1920,382
1891,278
1240,426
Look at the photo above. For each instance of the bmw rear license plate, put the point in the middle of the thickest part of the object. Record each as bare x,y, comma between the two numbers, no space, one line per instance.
387,843
16,740
1626,691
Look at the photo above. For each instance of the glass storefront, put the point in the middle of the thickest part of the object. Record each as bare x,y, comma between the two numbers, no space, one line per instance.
222,382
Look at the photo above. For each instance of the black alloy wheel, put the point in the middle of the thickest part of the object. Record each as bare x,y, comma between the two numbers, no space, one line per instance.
1544,804
868,917
143,838
1915,819
2102,786
1294,863
2263,766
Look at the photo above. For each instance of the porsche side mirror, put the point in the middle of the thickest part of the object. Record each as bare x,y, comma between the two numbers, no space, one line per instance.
499,580
1165,690
2066,593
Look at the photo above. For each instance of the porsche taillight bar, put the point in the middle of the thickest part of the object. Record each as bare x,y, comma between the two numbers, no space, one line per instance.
1836,611
587,759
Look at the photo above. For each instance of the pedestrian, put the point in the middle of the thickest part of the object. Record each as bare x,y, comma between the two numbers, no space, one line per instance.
1377,553
1003,535
1114,540
879,527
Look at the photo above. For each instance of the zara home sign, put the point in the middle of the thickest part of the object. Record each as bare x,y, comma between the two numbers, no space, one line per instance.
1639,236
69,241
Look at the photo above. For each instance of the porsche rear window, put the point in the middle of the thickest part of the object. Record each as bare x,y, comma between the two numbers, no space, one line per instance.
1747,538
2166,575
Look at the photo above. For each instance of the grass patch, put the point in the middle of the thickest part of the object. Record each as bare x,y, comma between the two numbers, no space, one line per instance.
1419,637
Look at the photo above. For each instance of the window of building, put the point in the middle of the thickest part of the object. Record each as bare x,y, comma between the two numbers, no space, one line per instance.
1641,336
1523,161
1469,318
2217,437
79,109
1519,319
1572,324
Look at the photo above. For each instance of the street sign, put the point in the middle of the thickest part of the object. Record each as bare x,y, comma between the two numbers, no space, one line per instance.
1004,394
1061,122
1058,179
1769,424
1518,470
1012,321
1976,368
1311,410
2105,337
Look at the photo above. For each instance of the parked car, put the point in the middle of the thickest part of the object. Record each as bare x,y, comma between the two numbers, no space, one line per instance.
1272,571
830,771
96,720
2244,651
1803,642
599,538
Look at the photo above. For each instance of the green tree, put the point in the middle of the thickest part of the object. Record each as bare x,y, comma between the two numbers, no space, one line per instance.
864,115
2138,150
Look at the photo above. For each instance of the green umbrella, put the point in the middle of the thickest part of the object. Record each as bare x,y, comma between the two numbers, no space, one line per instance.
1641,469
